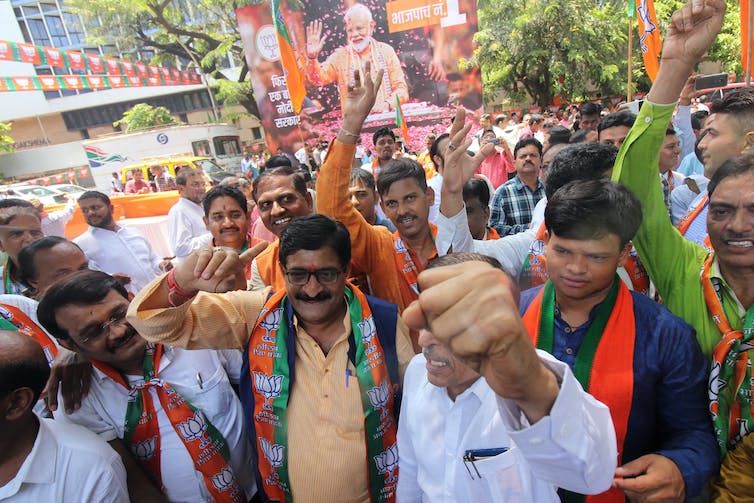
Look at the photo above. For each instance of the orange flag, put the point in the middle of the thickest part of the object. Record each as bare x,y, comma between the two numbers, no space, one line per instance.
649,36
746,41
294,77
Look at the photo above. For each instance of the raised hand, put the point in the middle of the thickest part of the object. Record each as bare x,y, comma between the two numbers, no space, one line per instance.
215,269
458,167
470,308
692,30
362,93
315,41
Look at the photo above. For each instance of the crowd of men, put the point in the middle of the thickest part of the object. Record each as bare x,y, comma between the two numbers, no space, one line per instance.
400,336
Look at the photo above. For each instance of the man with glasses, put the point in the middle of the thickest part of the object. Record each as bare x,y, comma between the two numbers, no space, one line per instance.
171,414
329,433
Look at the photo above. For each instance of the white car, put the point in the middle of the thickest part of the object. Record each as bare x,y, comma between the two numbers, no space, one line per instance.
45,195
68,188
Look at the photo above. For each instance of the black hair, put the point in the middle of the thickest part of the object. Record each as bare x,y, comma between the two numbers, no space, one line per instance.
696,122
401,169
525,143
224,191
591,209
740,105
435,149
590,108
559,135
581,161
579,136
477,188
277,161
94,194
295,175
17,372
8,214
615,119
313,232
669,131
29,252
383,131
363,176
14,202
736,166
79,289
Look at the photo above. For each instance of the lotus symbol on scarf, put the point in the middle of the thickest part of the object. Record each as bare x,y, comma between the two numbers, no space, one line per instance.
268,387
271,322
716,383
273,452
401,248
368,331
223,480
194,428
538,247
379,396
145,449
387,462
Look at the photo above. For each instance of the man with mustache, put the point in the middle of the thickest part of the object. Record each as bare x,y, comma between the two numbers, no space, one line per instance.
514,201
361,48
114,248
449,407
171,414
323,362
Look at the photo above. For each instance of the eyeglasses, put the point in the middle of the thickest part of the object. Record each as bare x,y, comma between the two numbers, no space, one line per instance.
326,276
96,333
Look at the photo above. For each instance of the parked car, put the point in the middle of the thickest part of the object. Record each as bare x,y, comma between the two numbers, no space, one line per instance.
68,188
46,195
214,173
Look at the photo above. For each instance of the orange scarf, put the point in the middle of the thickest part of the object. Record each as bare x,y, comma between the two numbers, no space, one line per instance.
409,264
604,363
491,234
204,443
12,318
686,220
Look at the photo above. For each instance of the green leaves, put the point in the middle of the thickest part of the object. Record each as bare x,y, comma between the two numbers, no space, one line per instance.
143,116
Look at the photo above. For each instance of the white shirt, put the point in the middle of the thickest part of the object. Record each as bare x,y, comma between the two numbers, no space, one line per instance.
53,224
201,377
68,464
436,184
124,251
574,447
538,214
682,197
186,229
510,251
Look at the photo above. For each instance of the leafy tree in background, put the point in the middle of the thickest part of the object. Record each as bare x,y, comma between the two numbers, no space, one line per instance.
143,116
5,140
202,32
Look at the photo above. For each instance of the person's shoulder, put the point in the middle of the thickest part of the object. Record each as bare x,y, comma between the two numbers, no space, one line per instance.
270,252
657,318
527,297
85,445
385,47
416,372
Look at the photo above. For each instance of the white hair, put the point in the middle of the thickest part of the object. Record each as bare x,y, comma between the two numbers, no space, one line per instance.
358,10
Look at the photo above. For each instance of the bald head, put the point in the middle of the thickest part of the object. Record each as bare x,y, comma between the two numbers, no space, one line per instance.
22,365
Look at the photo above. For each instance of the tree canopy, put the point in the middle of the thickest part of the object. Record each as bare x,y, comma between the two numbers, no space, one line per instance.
5,140
192,32
576,49
143,116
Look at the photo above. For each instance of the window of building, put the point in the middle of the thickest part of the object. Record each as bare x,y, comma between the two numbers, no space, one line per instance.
38,32
30,10
75,31
57,31
256,132
48,7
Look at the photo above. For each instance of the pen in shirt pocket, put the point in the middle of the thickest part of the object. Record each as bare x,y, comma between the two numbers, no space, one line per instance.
473,455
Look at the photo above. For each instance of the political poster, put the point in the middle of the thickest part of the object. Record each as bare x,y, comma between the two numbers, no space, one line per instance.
418,44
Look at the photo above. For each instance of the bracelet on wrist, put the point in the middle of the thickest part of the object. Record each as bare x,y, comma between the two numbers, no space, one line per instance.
348,133
175,289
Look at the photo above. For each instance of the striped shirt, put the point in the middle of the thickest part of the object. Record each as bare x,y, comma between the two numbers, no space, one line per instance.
512,206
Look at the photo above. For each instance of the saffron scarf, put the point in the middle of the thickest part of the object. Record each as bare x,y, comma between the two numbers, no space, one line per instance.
206,445
730,384
408,263
604,363
686,220
491,234
271,375
12,318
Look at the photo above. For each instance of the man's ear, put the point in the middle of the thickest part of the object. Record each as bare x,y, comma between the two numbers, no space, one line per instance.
749,142
206,222
546,237
309,200
430,193
16,403
624,253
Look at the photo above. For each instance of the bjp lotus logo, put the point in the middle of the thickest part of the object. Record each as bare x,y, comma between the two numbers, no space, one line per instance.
268,387
379,396
223,480
716,383
194,428
271,322
273,452
401,248
368,330
537,248
144,450
387,462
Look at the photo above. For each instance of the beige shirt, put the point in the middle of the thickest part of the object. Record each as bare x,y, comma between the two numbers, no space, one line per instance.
327,453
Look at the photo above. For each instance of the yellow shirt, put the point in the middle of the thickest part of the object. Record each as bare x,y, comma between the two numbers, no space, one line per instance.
327,451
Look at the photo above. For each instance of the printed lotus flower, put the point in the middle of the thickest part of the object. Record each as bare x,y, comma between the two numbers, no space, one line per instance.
268,387
716,383
194,428
538,247
368,330
401,248
378,396
273,452
387,462
271,322
223,480
144,450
